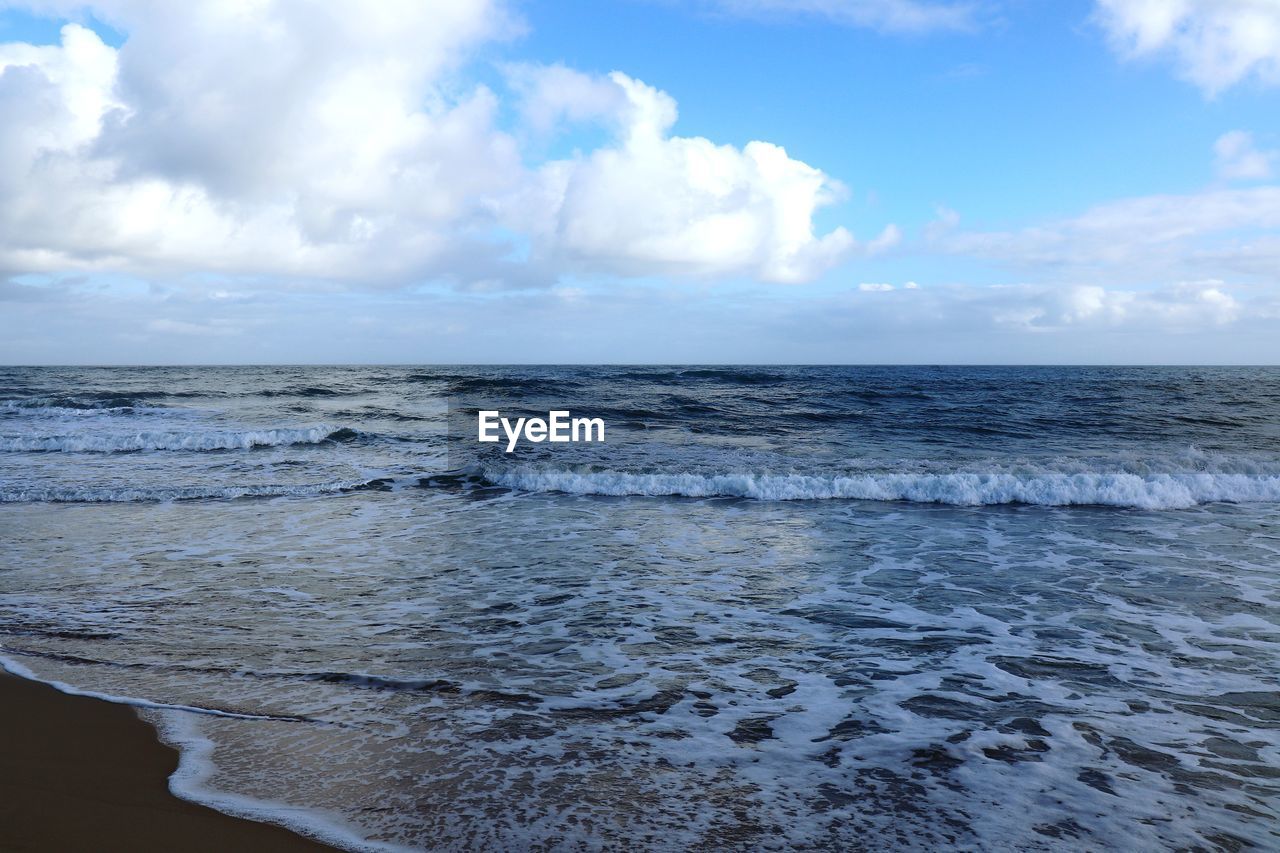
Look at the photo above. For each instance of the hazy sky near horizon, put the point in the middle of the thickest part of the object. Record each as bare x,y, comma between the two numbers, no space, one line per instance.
640,181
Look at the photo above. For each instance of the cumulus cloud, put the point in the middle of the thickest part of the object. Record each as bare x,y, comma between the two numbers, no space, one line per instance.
894,16
342,141
1215,44
1238,158
650,202
268,138
553,95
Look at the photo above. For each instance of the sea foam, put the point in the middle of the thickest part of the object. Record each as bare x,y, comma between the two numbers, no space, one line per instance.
1038,486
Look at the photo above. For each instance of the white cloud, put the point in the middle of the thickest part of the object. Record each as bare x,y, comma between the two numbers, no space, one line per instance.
264,139
1237,158
1214,44
1182,307
1160,237
896,16
875,287
1206,321
1153,239
552,94
653,203
885,240
184,328
341,142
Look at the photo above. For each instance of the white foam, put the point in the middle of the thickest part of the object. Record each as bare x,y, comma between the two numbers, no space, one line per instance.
195,765
154,440
1040,486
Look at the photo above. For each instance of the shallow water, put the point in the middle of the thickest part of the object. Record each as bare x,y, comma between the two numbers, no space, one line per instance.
779,608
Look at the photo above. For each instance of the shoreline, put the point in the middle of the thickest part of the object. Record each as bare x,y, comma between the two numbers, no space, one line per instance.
79,773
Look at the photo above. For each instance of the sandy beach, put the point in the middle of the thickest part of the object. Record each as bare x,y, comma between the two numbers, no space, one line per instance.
82,774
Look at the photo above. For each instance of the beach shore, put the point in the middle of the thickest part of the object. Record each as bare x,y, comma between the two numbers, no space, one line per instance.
82,774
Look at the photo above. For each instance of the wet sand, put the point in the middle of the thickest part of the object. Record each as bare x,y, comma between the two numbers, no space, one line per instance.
82,774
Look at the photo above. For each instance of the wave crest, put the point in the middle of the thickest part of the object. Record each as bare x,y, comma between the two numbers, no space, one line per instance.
1173,490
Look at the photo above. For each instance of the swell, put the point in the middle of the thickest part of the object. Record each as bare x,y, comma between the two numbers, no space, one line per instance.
174,441
493,385
77,405
1033,486
89,399
726,375
185,493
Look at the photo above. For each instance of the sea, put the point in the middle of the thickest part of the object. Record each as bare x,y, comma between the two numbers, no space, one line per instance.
777,608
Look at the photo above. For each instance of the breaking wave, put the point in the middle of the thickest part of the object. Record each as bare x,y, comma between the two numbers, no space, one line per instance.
1042,487
157,440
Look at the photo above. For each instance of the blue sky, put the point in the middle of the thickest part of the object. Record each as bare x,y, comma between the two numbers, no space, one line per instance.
846,181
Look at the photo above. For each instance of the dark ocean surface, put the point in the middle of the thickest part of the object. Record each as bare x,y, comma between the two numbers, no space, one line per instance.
778,608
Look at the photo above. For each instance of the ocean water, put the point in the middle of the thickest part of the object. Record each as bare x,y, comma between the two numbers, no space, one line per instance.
779,608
